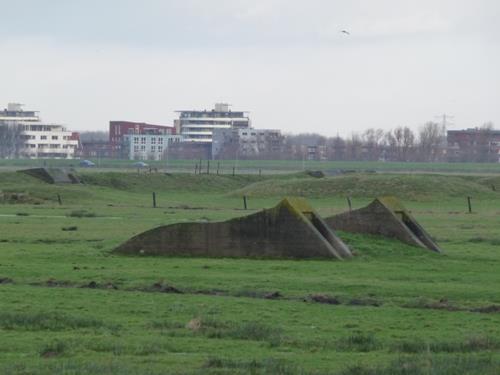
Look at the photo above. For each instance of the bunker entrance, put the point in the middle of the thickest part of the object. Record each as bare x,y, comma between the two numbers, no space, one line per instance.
411,226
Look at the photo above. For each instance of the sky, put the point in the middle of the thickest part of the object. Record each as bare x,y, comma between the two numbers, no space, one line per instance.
86,62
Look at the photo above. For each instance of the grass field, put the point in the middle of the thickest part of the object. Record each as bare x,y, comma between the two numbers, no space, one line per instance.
264,166
70,306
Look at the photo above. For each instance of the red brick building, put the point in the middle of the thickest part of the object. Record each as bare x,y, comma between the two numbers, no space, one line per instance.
473,145
117,129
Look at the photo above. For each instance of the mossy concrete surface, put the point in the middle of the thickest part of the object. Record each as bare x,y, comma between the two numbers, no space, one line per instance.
388,217
292,229
52,175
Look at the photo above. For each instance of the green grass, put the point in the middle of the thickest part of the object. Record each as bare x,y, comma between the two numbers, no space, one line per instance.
72,307
265,166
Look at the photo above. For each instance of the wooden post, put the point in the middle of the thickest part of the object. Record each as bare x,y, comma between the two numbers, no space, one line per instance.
208,166
59,199
218,165
196,168
469,203
233,171
349,203
154,199
245,202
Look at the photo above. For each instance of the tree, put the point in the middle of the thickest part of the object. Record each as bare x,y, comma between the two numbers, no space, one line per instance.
373,141
10,141
484,147
431,141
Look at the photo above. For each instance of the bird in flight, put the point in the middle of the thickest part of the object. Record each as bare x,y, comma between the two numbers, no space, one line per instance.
345,32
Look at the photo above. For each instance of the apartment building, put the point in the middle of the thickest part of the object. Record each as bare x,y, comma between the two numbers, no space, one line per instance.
119,129
152,146
198,126
38,139
473,145
246,143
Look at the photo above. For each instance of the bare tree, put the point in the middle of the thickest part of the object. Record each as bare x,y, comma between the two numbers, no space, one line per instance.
94,136
485,148
373,141
354,147
10,141
431,138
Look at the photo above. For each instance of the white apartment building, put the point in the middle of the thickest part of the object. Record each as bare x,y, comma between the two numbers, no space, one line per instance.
147,146
39,139
246,142
198,126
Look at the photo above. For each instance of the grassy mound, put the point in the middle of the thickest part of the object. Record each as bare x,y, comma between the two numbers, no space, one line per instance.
177,182
411,187
19,188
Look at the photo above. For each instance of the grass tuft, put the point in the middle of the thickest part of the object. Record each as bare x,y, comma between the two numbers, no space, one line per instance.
81,213
49,321
358,342
267,366
54,348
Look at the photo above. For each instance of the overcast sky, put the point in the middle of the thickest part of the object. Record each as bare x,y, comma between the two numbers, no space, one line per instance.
86,62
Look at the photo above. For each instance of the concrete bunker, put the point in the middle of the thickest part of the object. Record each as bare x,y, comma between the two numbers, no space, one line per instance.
292,229
53,175
385,216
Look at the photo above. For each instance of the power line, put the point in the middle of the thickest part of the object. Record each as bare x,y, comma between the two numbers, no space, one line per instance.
445,120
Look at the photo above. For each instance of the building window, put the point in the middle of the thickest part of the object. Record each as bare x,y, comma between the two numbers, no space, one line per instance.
160,141
42,137
54,137
143,147
160,148
153,149
153,140
136,148
143,140
136,139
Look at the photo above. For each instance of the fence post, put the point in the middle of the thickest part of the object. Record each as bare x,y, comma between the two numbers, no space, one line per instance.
349,203
245,202
469,203
208,166
233,171
218,165
154,199
59,199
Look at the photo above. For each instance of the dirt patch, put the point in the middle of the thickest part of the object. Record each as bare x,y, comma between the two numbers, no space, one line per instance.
162,287
49,355
491,309
364,302
324,298
19,198
53,283
91,285
273,295
185,207
442,304
69,229
194,324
